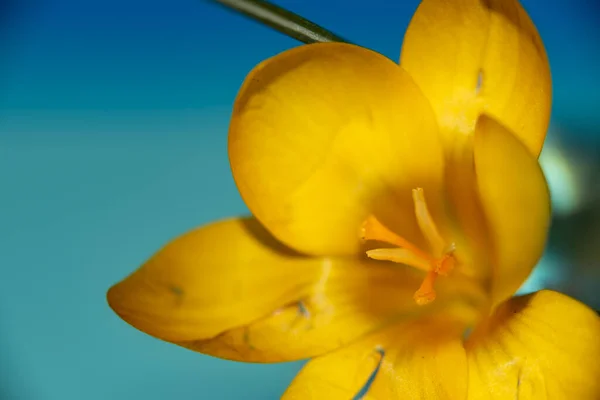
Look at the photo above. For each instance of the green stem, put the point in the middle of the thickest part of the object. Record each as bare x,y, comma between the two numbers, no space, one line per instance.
282,20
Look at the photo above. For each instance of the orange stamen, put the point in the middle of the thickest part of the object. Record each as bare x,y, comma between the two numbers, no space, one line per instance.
426,293
441,263
372,229
444,265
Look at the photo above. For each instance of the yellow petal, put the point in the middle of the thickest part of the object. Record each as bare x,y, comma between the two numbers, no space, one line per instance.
325,134
212,279
230,290
516,202
535,347
421,360
472,56
352,299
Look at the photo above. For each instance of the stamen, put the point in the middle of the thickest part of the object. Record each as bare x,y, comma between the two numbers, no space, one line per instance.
444,265
426,293
442,261
426,223
372,229
400,256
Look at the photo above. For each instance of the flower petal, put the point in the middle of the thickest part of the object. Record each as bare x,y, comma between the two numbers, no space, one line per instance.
472,56
516,202
325,134
231,290
212,279
352,299
541,346
419,360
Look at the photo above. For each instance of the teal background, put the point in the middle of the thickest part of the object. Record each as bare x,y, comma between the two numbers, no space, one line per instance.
113,122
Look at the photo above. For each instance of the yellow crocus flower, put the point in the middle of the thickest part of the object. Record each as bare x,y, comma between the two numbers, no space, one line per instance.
396,208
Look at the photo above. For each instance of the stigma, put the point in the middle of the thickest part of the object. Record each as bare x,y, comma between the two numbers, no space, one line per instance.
437,260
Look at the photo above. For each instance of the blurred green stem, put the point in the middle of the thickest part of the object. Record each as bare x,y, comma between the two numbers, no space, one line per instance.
282,20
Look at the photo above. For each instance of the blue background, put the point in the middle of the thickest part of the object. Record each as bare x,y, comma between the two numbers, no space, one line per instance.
113,122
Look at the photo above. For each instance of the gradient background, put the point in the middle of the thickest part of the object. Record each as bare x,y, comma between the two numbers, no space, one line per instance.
113,122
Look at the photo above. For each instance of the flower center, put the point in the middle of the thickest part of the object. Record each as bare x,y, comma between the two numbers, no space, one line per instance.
438,261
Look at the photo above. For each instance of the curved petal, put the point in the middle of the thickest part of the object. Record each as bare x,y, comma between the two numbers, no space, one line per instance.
541,346
325,134
472,56
231,290
516,202
212,279
352,299
420,360
343,306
